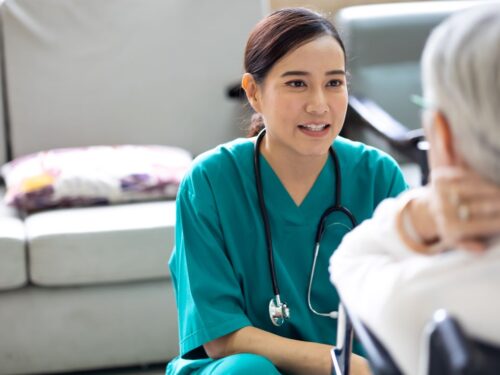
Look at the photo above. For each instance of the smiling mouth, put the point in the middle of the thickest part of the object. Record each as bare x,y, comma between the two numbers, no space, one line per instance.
315,128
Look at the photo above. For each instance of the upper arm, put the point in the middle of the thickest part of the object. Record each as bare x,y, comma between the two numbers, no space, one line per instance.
209,300
398,183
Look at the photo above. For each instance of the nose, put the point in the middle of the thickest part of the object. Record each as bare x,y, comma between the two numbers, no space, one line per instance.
317,103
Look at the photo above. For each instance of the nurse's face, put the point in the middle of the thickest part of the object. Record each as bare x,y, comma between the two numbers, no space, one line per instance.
303,99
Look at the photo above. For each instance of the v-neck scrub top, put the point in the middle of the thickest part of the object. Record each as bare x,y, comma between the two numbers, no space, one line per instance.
220,266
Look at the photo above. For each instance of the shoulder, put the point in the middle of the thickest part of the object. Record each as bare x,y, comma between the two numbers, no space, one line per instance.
368,166
355,153
219,163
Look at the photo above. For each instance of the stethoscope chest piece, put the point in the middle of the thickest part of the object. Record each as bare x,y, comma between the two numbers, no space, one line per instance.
278,312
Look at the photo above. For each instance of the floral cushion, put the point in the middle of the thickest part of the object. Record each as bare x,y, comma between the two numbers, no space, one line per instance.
94,175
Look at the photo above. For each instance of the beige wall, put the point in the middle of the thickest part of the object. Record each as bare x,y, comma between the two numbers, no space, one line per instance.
325,6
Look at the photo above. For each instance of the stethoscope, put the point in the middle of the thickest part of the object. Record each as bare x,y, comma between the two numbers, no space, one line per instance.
279,311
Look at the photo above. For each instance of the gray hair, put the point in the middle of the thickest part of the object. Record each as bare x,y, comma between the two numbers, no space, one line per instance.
461,78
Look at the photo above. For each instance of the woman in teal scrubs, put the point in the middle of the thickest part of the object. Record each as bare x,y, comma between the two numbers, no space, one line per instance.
295,80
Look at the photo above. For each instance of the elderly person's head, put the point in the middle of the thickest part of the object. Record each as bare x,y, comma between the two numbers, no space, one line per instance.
461,79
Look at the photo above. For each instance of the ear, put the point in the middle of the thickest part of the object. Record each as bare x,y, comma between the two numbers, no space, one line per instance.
444,140
251,88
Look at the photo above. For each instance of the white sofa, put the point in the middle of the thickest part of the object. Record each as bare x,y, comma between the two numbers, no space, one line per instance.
87,288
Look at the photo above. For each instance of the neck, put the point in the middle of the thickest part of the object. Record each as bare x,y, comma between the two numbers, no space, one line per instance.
296,172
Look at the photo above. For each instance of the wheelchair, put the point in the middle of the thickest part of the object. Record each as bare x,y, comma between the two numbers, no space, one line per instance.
451,351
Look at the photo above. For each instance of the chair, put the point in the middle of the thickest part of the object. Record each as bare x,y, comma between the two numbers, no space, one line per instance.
452,352
384,43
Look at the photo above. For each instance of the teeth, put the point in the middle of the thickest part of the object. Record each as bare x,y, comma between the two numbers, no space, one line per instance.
315,128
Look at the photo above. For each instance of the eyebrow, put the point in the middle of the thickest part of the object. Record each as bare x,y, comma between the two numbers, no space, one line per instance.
303,73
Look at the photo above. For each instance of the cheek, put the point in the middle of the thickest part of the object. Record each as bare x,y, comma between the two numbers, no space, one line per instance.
339,95
283,106
345,97
339,103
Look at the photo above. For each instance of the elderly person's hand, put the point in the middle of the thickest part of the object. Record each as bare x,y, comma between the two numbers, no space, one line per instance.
465,207
457,209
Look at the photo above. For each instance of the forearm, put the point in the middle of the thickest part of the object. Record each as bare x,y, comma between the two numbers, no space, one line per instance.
290,356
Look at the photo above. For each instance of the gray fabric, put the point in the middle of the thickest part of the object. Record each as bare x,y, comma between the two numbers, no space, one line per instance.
54,329
12,248
384,44
3,134
101,244
124,71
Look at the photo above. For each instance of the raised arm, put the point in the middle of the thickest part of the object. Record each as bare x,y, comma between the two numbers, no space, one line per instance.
457,209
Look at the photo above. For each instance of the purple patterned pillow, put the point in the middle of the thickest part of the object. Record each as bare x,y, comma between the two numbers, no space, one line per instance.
76,177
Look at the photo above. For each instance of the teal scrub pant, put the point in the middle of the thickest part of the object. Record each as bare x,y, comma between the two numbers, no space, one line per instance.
239,364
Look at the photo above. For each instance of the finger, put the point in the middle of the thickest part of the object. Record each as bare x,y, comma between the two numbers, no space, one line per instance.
454,175
478,227
448,173
474,246
483,208
473,190
466,189
455,183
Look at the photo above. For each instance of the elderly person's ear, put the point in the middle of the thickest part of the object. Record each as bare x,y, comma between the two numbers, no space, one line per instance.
442,144
251,88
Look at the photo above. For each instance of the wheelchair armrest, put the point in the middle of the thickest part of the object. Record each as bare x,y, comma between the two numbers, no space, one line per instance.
341,353
381,363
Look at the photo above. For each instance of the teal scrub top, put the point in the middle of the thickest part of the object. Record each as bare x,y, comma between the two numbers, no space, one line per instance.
220,266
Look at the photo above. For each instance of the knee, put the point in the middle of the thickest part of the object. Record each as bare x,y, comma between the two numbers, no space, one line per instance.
248,364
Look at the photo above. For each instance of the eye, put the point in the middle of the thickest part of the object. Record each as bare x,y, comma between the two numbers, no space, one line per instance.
296,83
335,83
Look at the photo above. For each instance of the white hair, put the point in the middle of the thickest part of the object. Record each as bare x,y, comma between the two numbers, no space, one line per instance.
461,78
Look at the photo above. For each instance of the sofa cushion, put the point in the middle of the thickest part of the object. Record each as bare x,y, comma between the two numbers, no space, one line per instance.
12,248
3,138
94,175
58,330
101,244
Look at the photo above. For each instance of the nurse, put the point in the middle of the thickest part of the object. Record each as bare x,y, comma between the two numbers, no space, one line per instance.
296,82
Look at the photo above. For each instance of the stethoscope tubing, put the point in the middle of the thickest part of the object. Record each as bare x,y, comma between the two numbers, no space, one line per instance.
337,207
263,212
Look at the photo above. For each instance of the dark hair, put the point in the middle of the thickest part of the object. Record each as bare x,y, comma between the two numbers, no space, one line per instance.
276,35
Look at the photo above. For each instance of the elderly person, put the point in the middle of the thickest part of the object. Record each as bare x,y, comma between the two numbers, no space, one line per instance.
437,247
